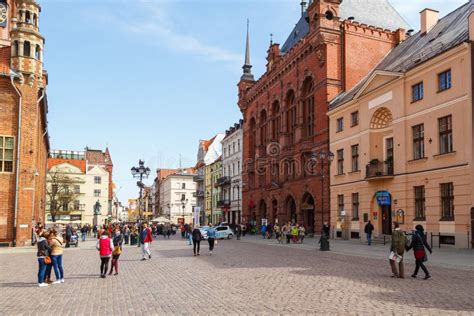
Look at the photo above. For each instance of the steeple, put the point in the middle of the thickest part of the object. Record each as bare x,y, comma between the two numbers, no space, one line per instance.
247,66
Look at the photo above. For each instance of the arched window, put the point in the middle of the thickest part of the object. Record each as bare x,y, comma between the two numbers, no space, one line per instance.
252,137
27,49
382,118
276,121
15,48
38,52
28,17
308,107
263,130
35,19
291,116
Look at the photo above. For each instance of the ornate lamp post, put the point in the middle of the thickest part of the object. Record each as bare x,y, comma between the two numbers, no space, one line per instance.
183,205
323,157
140,172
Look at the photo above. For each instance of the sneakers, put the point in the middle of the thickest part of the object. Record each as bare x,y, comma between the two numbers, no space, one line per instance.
62,280
143,259
42,284
57,282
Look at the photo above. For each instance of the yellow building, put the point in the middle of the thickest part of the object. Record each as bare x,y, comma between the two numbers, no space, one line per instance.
403,137
216,207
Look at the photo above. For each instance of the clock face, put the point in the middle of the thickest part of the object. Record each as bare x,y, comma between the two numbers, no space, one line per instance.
3,13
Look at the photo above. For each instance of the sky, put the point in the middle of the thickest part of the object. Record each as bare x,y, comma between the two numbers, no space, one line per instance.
150,78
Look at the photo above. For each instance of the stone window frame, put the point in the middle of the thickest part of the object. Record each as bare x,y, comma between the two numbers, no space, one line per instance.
3,150
418,139
445,129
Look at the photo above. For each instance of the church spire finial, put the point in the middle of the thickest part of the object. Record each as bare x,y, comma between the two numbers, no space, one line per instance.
247,66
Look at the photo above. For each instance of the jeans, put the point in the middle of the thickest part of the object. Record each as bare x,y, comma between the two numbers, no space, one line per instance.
83,236
146,249
190,238
58,266
264,234
369,239
41,270
197,245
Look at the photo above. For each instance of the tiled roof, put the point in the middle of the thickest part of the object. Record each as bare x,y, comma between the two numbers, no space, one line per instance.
378,13
98,157
448,33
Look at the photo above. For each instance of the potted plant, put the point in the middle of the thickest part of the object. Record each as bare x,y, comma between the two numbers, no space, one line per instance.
374,162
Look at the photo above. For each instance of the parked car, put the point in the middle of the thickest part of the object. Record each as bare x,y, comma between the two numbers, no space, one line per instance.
224,232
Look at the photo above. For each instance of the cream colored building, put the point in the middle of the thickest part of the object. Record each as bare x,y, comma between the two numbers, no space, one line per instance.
177,197
403,137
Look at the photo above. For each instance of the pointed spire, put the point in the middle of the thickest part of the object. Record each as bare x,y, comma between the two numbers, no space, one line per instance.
247,66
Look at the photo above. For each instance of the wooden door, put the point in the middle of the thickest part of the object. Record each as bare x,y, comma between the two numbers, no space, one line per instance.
386,220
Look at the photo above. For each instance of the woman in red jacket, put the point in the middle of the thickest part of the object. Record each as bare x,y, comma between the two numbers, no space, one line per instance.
105,246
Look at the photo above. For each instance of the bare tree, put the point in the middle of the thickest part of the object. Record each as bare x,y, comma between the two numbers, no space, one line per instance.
61,192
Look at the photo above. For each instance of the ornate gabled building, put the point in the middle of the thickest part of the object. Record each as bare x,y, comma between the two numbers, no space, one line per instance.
24,140
333,46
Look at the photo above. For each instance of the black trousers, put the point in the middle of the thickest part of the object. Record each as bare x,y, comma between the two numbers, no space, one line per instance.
211,242
104,264
196,244
420,264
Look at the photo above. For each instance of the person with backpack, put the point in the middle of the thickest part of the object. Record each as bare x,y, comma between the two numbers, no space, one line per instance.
368,229
56,243
399,241
43,252
197,237
105,246
145,239
419,246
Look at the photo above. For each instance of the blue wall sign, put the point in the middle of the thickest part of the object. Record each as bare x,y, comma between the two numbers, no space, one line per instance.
383,198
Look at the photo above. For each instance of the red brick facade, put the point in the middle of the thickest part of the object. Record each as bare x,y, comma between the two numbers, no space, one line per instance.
21,209
285,121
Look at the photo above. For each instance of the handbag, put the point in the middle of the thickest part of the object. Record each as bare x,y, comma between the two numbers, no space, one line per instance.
47,260
395,257
117,250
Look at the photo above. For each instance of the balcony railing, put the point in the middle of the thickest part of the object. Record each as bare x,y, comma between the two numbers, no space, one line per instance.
379,169
223,203
223,181
198,194
198,178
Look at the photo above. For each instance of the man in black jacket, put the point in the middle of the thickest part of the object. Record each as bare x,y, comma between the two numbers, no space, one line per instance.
369,228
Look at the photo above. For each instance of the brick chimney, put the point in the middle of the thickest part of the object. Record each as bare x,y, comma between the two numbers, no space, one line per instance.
428,19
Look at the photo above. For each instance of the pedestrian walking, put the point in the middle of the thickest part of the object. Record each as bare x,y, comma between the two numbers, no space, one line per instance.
117,241
397,250
56,244
294,233
197,237
83,233
211,238
68,235
126,234
94,230
145,239
189,234
43,252
419,246
369,228
301,234
238,231
264,231
105,246
277,230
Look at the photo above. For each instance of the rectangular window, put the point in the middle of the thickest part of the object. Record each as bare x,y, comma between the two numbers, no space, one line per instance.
340,203
417,92
420,207
238,145
444,80
445,135
183,197
354,118
97,180
65,206
97,192
77,189
238,167
340,124
355,157
183,186
309,116
6,154
447,201
355,206
292,124
77,206
418,141
340,161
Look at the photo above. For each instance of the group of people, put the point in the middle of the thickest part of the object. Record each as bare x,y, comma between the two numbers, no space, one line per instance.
50,255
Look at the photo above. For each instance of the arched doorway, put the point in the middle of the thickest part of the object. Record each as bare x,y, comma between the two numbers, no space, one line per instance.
274,212
262,212
307,209
291,209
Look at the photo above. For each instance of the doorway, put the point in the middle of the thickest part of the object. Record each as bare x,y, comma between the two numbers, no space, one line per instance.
386,219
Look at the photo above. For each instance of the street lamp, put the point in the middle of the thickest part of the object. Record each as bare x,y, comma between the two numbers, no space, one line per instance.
322,158
140,172
183,203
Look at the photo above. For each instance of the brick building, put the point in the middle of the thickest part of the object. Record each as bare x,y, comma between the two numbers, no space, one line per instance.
332,47
24,143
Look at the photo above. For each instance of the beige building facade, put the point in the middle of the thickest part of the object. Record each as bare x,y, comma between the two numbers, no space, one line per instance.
403,138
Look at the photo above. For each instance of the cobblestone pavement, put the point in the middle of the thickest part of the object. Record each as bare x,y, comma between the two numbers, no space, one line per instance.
241,277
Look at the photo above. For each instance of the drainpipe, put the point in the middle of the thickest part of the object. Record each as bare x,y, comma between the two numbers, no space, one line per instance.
36,154
17,167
